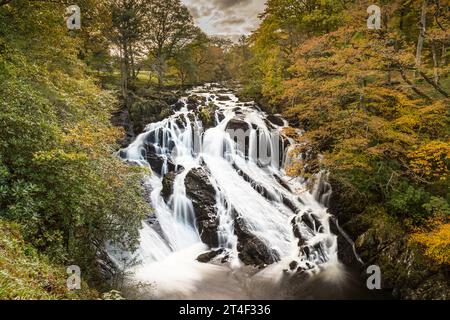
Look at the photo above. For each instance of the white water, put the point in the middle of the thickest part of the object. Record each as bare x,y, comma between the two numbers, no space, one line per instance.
168,252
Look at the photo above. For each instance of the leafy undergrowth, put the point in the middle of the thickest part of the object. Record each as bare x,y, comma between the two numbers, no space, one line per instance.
436,243
27,275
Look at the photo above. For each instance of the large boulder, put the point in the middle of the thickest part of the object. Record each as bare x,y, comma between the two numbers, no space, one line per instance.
236,124
194,101
157,162
207,115
178,106
208,256
203,196
144,111
252,250
276,120
167,182
222,97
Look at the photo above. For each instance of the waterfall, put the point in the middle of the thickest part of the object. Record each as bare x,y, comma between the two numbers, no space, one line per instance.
254,203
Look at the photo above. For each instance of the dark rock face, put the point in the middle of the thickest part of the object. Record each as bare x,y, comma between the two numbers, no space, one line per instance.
157,162
203,196
223,98
149,107
167,183
252,251
207,115
276,120
220,116
121,118
178,106
236,124
406,273
195,101
208,256
296,230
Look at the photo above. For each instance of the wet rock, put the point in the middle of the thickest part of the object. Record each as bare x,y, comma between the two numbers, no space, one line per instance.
252,250
203,196
121,118
157,162
194,101
236,124
222,97
167,190
181,121
293,265
208,256
312,221
297,233
191,117
257,187
207,115
150,108
276,120
220,116
288,203
178,106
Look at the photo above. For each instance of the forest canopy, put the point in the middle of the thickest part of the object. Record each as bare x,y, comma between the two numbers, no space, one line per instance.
368,107
374,104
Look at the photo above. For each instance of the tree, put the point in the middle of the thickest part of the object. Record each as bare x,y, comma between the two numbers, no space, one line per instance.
128,26
169,29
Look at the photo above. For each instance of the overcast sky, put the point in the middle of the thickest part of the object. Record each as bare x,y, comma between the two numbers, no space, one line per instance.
230,18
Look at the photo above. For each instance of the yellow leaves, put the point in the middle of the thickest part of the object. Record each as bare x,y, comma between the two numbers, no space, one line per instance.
436,243
58,155
92,138
431,161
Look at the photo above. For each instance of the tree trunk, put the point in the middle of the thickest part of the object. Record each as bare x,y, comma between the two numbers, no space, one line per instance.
160,70
132,65
125,72
423,27
435,63
444,55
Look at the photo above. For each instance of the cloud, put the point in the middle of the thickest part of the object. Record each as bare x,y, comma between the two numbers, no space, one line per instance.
232,21
226,17
226,4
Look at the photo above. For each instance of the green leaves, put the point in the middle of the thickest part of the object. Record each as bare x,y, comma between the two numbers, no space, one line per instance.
59,178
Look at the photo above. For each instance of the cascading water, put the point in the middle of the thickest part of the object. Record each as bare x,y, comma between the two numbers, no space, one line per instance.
261,216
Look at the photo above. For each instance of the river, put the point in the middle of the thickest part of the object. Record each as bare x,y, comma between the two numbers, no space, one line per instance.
220,189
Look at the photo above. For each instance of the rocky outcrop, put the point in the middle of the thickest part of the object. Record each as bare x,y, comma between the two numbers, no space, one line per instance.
207,114
236,124
203,196
167,182
208,256
223,98
121,118
379,240
178,106
406,272
157,162
148,106
194,101
252,250
276,120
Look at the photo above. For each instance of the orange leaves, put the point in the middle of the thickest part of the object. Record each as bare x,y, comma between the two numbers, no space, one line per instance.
431,161
436,243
